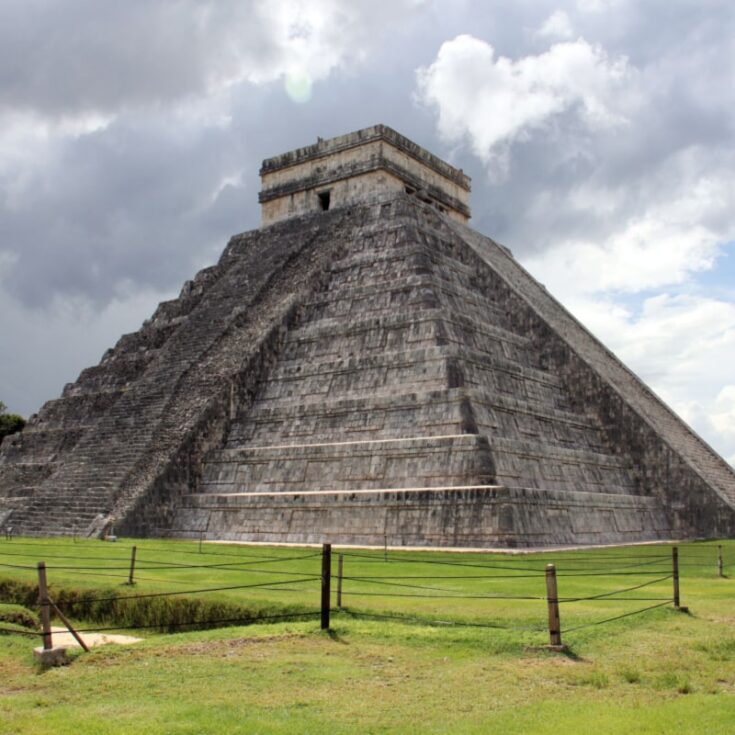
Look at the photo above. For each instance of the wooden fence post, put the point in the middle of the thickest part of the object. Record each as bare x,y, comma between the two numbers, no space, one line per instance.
675,574
68,625
552,600
45,606
326,583
340,567
719,562
131,577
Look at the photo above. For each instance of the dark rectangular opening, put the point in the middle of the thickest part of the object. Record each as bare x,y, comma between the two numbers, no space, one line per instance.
324,197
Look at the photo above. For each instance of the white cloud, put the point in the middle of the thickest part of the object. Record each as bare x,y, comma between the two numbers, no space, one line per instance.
663,244
597,6
723,418
493,101
557,25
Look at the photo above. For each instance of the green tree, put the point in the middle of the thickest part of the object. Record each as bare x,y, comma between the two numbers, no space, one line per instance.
10,423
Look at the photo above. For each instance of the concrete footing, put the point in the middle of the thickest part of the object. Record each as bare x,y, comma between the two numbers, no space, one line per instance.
556,649
49,657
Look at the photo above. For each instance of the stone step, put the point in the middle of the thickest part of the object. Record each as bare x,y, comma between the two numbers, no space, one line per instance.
408,461
549,466
398,292
420,369
466,516
387,373
409,258
428,412
458,327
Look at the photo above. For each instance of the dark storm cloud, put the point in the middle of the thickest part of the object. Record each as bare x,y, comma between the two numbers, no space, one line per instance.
60,58
137,203
81,55
121,205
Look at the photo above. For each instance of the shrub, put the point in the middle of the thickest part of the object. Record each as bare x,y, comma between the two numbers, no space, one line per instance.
10,423
19,615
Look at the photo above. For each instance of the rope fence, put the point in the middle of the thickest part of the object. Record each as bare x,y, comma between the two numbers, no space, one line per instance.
651,568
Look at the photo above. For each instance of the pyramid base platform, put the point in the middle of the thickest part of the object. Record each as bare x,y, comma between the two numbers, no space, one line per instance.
452,517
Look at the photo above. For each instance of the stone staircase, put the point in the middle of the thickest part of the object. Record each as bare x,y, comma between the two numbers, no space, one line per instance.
124,445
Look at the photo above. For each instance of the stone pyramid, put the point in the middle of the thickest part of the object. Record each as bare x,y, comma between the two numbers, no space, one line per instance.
364,369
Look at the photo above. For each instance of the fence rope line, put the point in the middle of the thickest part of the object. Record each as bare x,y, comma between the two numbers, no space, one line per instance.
439,597
453,593
239,555
98,574
526,571
373,558
609,569
627,599
505,576
20,631
164,564
611,574
443,623
494,565
616,617
225,567
541,558
122,576
442,576
67,556
87,600
616,592
535,575
241,619
145,547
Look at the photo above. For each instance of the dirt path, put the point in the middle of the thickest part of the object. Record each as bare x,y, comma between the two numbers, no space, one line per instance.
62,637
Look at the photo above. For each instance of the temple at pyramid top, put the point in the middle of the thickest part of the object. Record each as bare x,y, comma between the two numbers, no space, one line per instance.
346,169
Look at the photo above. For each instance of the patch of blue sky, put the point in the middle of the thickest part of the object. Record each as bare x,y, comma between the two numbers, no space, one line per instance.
718,281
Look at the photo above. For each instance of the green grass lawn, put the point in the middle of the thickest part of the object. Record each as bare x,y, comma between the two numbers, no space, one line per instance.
662,671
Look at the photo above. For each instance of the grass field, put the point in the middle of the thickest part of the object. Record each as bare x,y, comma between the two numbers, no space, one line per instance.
464,657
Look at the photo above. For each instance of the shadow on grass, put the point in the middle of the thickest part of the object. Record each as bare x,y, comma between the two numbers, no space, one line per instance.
556,651
336,637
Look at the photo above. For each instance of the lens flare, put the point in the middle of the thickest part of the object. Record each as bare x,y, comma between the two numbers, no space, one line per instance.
298,87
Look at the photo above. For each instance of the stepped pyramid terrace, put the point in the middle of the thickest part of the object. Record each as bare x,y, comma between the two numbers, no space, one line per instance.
364,369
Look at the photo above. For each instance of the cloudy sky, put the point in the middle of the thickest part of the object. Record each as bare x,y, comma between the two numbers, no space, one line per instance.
599,135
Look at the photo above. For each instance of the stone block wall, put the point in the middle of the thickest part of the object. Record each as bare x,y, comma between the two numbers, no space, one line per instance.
351,168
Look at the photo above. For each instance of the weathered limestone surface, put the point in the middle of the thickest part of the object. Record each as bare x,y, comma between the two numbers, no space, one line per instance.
352,167
376,373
